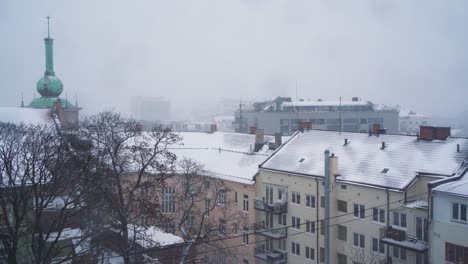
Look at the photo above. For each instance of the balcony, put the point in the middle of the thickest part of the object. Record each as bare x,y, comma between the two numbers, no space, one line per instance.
399,238
273,233
274,256
278,207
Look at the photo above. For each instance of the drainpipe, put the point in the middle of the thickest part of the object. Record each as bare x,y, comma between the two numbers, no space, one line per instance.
388,221
327,206
317,236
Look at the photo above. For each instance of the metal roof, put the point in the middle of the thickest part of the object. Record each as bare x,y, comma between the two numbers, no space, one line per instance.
363,161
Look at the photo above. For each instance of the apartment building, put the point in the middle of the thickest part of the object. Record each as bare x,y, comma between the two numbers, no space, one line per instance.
285,116
378,206
448,234
230,163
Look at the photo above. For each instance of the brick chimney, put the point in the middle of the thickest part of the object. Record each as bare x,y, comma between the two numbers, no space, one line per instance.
259,139
434,133
278,140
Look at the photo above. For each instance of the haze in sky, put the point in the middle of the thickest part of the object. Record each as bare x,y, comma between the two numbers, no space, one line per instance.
194,53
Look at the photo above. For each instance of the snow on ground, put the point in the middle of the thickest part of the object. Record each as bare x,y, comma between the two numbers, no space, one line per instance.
152,236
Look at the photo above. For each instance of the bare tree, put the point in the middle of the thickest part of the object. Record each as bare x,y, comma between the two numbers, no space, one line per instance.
128,163
362,256
39,194
203,209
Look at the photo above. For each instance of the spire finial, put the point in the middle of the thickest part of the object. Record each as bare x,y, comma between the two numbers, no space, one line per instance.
48,27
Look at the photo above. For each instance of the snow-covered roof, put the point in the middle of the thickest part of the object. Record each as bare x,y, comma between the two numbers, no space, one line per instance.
28,116
152,236
456,188
363,161
324,103
227,155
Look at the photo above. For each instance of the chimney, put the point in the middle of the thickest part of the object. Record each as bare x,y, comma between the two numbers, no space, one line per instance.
375,129
213,128
333,167
252,130
345,142
442,133
259,139
278,140
434,133
355,99
305,125
383,145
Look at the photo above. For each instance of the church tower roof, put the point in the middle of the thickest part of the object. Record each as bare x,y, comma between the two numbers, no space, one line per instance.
49,86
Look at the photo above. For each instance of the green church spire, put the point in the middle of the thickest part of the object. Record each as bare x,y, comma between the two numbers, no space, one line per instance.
49,86
49,49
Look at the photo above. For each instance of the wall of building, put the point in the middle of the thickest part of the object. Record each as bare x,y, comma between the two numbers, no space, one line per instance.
443,229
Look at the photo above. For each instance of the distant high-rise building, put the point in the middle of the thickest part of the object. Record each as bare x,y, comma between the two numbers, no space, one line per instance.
150,109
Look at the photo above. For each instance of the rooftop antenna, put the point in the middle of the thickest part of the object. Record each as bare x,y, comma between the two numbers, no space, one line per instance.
22,100
341,121
297,112
76,100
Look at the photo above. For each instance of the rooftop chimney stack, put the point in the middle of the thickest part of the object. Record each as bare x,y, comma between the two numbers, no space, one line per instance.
355,99
278,140
458,148
383,145
345,142
259,139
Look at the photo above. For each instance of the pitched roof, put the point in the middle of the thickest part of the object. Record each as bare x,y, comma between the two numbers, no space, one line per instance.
227,155
362,160
456,188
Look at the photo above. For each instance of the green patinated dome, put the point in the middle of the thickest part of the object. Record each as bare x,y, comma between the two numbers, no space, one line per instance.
49,86
48,102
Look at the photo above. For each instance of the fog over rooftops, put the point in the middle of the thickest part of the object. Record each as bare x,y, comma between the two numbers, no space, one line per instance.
362,159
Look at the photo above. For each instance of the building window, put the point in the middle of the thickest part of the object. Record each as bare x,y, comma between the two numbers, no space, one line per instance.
245,236
282,219
190,219
421,228
378,246
322,202
295,198
358,240
168,200
322,254
222,228
235,197
309,253
342,233
342,259
235,228
296,222
282,244
455,253
342,206
399,219
359,211
222,197
310,227
168,227
399,253
269,194
322,227
459,212
295,248
207,207
245,203
378,215
310,201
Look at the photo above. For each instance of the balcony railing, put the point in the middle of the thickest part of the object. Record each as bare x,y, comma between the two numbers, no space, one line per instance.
399,238
274,233
274,256
278,207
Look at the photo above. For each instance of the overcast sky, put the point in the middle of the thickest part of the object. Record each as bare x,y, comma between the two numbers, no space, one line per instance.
411,53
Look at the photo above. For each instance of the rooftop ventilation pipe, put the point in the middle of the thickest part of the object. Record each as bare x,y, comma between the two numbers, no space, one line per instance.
458,148
383,145
345,142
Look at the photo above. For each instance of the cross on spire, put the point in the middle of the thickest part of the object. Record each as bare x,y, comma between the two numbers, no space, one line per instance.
48,27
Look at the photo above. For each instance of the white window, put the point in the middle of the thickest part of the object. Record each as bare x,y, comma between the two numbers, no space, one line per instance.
222,228
399,253
269,194
378,215
310,227
310,201
190,219
245,236
296,222
358,240
378,246
295,248
207,207
459,212
399,219
282,244
359,211
222,197
309,253
421,228
295,198
282,219
234,228
168,200
245,203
